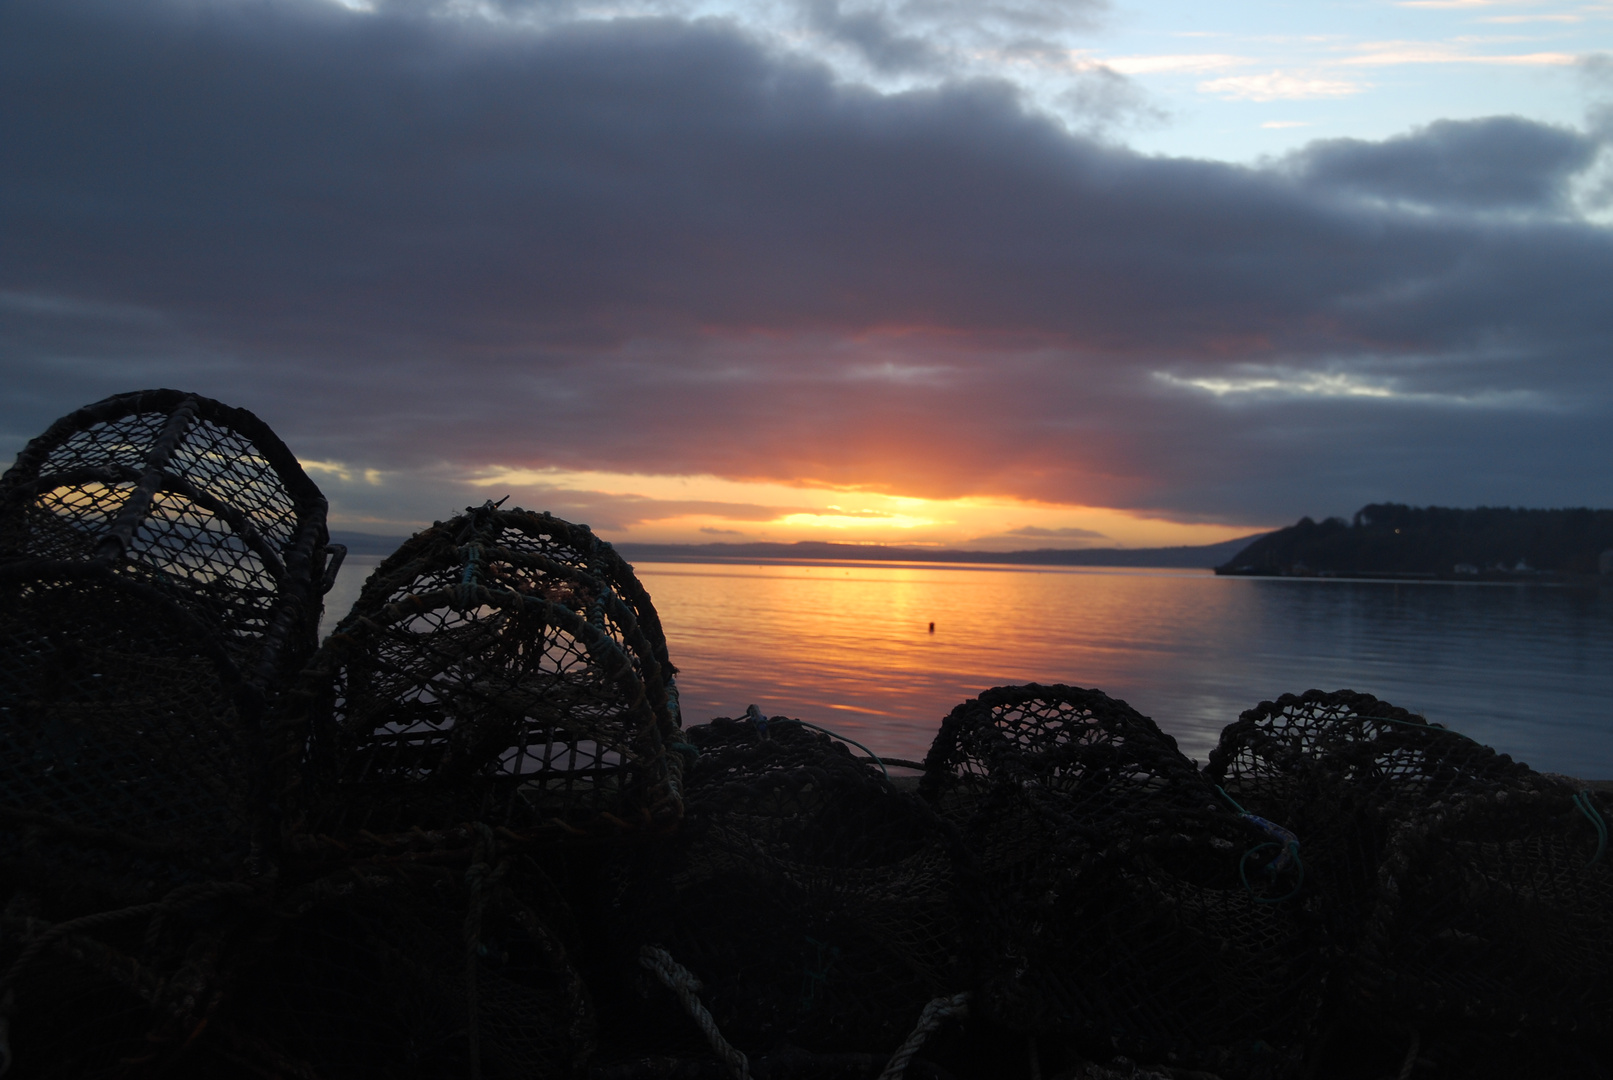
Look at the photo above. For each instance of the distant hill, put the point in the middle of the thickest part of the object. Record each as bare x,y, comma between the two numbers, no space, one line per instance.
1200,557
1434,541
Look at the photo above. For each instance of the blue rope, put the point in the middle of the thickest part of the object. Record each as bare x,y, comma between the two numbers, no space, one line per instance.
1284,857
473,555
1583,802
1286,843
754,714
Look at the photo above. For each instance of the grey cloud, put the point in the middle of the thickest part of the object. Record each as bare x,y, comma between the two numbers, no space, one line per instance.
872,34
1502,162
1101,98
1015,18
425,245
901,36
1597,69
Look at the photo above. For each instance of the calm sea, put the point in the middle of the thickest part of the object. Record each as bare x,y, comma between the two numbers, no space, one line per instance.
1526,669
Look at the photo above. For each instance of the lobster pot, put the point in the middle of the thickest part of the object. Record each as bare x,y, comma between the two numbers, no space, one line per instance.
197,499
1494,914
537,554
474,682
1126,907
817,905
129,776
1340,770
411,972
129,745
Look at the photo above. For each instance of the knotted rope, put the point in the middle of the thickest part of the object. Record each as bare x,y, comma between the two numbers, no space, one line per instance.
681,981
1409,1065
930,1019
183,897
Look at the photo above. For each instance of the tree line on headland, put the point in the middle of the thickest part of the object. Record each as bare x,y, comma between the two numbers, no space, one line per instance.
1391,539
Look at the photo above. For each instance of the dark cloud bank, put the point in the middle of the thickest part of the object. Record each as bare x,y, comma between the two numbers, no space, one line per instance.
416,242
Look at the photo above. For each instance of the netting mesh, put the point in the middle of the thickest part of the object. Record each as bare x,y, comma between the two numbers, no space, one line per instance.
1339,769
191,496
537,555
1462,891
819,906
1126,906
480,678
129,753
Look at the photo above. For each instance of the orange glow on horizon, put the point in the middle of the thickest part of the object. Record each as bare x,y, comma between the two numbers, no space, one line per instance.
711,509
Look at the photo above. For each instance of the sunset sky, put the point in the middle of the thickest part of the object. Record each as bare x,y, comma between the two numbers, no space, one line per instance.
1008,273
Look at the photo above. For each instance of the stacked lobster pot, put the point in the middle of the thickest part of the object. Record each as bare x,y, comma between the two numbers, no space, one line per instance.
502,667
818,907
496,707
1467,897
1129,907
161,561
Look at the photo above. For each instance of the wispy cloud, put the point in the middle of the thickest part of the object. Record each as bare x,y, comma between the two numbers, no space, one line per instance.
1191,63
1301,384
1279,86
1343,385
1391,53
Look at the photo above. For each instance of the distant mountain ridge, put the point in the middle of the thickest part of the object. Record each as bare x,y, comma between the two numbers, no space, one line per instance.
1434,541
1204,556
1201,557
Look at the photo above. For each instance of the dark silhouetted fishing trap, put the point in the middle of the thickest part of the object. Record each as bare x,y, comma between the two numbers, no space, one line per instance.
469,834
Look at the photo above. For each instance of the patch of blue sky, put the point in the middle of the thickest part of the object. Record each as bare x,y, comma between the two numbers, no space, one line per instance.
1301,71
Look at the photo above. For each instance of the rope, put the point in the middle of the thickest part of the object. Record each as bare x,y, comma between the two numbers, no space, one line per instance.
1425,727
470,575
678,979
930,1019
182,897
1409,1066
1289,857
1583,803
1286,843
